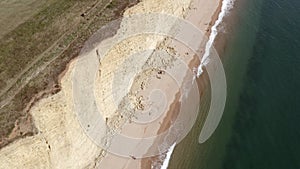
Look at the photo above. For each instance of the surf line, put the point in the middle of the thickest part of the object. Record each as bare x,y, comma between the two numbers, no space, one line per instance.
168,157
227,5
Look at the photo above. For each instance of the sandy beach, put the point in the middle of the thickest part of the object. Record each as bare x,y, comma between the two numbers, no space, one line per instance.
125,83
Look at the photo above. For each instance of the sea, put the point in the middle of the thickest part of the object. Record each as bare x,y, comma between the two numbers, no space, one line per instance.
260,127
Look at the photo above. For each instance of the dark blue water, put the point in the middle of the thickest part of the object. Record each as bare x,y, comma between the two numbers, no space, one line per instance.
266,131
260,128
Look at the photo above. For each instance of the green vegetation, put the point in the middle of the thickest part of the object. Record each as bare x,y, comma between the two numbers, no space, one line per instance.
45,43
112,4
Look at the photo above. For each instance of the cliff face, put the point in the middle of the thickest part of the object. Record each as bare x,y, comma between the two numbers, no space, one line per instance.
61,141
41,39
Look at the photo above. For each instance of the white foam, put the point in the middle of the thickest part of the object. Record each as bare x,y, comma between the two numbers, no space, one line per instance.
168,157
226,6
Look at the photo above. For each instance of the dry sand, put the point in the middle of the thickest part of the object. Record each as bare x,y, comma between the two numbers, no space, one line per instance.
62,143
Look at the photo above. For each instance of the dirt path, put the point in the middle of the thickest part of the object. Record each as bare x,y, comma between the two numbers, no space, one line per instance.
33,68
41,74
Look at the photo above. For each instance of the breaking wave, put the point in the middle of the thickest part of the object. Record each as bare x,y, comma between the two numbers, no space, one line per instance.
227,5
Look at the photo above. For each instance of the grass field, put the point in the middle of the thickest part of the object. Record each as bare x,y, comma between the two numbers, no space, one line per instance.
37,48
15,12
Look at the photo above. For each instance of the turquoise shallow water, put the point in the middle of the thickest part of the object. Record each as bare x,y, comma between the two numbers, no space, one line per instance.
260,128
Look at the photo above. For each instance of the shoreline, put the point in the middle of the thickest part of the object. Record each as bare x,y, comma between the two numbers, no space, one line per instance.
38,109
147,162
167,155
161,159
219,44
215,43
